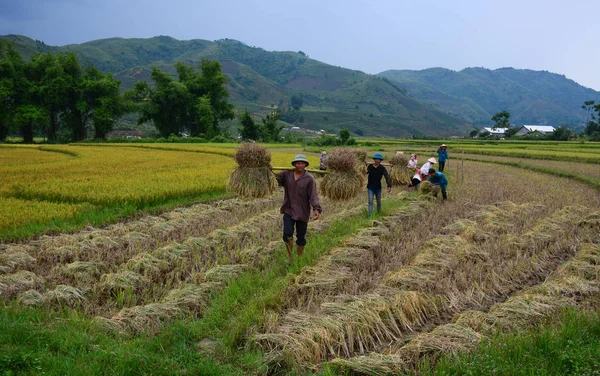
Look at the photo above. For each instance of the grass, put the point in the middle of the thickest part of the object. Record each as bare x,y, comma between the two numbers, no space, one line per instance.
565,345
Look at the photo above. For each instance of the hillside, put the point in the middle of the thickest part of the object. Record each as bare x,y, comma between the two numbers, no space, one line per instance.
476,94
333,97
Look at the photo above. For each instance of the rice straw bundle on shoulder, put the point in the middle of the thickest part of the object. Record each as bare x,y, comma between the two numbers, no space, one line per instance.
345,181
361,163
252,177
399,172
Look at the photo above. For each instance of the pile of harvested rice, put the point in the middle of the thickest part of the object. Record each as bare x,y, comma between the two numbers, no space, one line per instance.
399,172
345,181
253,177
428,188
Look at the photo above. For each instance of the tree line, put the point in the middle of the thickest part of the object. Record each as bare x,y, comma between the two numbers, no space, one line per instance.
55,96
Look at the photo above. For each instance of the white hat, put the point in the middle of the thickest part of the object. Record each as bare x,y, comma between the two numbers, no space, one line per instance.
432,160
443,145
323,152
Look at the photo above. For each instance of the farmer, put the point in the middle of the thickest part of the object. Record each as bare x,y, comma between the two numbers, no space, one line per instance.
374,173
415,181
323,161
437,178
442,156
300,193
413,161
424,171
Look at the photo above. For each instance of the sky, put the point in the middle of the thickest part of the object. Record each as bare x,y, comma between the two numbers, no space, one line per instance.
559,36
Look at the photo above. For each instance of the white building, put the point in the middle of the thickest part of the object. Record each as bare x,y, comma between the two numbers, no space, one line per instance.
543,129
495,132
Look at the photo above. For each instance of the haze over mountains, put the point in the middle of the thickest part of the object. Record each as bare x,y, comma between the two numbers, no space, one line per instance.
398,103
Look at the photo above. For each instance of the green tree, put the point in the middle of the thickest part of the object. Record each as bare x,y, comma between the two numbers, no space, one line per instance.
344,136
93,98
10,64
511,132
593,123
51,88
270,129
562,133
250,130
165,104
501,119
473,133
196,102
296,101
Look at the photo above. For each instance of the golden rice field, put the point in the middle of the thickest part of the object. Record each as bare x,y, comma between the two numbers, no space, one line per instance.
55,178
204,288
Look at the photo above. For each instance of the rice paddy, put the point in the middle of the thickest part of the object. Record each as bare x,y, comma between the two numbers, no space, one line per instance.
203,288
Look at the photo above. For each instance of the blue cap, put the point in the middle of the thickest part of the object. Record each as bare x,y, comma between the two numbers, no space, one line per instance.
378,156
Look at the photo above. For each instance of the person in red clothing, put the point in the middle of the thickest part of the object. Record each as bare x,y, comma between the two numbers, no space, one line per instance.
300,193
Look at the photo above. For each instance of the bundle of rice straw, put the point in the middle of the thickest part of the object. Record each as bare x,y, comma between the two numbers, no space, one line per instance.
399,172
345,181
426,187
361,162
253,177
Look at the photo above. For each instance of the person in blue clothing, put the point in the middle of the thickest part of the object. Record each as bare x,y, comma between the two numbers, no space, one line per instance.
375,172
437,178
442,156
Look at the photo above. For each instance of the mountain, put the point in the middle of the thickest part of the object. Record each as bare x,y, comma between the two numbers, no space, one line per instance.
333,98
476,94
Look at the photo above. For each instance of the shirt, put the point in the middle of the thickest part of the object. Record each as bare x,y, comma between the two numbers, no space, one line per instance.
442,155
299,195
425,168
323,162
439,179
412,163
374,177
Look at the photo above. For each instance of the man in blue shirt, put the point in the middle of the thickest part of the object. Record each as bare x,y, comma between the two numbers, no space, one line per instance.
442,156
437,178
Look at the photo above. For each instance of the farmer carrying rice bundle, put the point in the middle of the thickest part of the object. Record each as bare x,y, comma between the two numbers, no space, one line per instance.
300,193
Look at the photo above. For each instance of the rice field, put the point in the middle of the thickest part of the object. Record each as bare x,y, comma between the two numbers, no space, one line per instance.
204,288
86,182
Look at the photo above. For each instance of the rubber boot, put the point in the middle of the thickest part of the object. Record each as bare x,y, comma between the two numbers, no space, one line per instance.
300,250
289,246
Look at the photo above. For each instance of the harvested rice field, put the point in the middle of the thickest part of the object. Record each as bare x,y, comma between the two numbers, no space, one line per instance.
202,286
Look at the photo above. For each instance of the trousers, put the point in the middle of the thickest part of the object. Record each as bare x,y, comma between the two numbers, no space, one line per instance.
288,230
377,194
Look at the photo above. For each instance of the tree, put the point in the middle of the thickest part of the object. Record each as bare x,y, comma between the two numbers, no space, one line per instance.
511,132
473,133
270,129
501,119
11,64
196,102
164,104
562,133
52,87
593,122
296,101
93,97
344,136
250,130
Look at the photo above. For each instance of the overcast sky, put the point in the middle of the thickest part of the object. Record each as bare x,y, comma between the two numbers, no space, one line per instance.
372,36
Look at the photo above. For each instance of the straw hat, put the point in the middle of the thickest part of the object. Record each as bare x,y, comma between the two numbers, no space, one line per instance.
300,158
432,160
443,146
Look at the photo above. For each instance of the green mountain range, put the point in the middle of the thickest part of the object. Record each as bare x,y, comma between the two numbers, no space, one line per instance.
476,94
394,103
